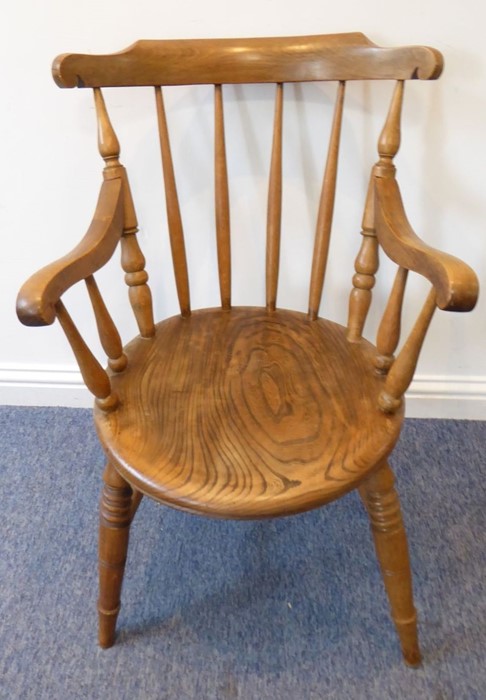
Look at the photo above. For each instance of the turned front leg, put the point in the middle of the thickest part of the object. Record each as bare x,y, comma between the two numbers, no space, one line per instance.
115,518
383,506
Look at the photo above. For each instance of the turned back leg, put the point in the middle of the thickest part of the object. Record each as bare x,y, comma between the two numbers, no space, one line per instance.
115,518
381,502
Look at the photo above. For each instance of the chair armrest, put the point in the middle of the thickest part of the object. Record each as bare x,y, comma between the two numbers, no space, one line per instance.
38,296
455,283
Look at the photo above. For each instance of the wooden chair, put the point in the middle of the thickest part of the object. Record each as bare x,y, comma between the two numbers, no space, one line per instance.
243,412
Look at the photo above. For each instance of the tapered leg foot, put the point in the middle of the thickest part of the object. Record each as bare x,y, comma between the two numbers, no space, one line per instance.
381,502
115,518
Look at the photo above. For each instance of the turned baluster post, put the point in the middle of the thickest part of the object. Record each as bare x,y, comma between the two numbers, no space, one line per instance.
132,259
274,207
366,264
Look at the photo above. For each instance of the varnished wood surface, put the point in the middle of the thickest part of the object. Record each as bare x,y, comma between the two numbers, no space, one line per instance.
455,283
247,413
381,501
274,206
174,219
326,209
366,266
38,296
221,201
272,59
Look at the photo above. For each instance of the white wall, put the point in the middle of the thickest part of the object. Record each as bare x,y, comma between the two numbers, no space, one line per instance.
50,173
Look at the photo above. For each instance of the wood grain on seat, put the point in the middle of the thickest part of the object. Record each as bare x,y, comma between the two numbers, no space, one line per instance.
247,413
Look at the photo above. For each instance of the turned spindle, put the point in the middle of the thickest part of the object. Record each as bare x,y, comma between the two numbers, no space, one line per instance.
274,206
389,141
222,201
174,220
365,266
108,144
107,331
402,370
326,209
388,335
94,376
133,264
132,259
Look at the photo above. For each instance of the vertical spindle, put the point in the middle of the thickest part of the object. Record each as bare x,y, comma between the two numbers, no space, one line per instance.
389,141
132,259
92,372
365,266
222,201
174,220
402,370
388,335
326,208
274,209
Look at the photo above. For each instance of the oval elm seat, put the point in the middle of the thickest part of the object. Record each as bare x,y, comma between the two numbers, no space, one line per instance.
246,413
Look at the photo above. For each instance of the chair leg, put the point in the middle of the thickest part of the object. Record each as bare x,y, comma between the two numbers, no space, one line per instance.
381,502
115,518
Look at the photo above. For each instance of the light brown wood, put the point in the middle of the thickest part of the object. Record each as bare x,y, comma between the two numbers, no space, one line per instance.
274,208
273,414
38,296
271,59
366,266
136,277
94,375
133,261
326,208
108,332
455,284
174,220
381,501
389,330
401,373
115,519
222,201
389,141
250,412
108,144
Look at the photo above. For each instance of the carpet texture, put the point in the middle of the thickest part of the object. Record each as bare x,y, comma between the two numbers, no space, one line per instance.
290,609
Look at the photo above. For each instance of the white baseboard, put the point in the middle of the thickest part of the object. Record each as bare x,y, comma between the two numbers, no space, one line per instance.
436,396
430,396
34,385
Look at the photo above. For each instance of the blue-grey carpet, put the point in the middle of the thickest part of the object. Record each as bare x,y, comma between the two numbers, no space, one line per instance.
289,609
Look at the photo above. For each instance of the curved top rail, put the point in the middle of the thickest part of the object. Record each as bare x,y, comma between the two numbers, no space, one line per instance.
276,59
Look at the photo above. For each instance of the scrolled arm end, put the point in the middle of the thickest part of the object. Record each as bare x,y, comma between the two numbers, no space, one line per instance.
37,299
456,284
32,307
